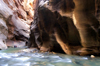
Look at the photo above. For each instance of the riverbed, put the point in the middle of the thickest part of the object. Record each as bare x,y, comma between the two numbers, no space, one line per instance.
30,57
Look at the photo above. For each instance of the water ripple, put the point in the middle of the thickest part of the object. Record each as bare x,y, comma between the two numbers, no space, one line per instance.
45,59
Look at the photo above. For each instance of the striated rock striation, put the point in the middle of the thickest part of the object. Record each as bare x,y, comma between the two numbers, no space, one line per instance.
15,19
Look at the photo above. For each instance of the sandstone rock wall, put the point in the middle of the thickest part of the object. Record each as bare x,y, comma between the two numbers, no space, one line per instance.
98,9
15,19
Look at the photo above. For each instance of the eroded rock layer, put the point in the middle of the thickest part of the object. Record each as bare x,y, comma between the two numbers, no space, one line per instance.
15,19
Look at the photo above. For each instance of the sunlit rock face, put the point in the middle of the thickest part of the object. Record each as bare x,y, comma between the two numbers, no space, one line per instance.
15,19
3,34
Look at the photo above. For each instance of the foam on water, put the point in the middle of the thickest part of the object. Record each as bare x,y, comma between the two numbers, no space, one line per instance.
44,59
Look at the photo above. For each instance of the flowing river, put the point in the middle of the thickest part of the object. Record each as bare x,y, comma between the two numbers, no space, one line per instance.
30,57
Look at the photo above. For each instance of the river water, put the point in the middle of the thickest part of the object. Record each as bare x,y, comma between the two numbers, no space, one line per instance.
27,57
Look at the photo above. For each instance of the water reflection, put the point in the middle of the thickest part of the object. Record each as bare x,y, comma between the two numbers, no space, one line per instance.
44,59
